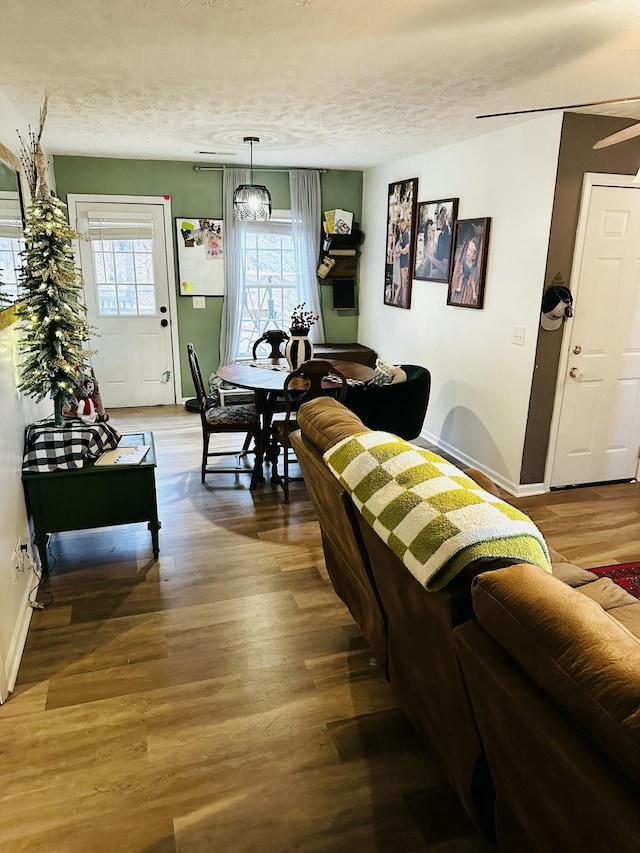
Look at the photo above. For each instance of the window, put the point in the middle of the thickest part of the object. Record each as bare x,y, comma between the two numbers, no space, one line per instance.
270,278
122,253
11,246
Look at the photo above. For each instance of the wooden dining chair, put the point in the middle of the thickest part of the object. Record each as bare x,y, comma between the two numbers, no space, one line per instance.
217,419
275,338
301,385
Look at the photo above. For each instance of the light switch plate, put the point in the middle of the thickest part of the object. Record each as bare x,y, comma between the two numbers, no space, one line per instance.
199,302
518,336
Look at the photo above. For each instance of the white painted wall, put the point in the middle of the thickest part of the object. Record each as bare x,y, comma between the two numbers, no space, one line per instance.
17,412
480,380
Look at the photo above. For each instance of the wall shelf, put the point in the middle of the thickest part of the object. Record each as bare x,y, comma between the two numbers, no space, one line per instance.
344,250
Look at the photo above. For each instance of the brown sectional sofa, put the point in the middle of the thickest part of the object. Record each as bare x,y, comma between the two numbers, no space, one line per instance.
527,684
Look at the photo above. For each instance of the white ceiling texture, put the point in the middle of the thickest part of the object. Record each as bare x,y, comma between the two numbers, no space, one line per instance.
323,83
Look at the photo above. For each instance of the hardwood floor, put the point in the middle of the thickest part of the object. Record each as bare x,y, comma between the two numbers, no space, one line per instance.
221,698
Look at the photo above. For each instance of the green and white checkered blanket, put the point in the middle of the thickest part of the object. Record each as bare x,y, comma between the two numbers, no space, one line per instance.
432,516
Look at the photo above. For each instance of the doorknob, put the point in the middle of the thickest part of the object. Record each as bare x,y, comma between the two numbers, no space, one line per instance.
575,373
164,323
577,349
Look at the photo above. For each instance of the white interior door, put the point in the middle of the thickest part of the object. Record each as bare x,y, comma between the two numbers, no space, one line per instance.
126,286
599,425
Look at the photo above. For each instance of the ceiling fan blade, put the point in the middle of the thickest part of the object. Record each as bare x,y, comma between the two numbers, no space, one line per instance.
564,107
620,136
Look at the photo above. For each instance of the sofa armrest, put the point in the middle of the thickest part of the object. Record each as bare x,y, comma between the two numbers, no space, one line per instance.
570,647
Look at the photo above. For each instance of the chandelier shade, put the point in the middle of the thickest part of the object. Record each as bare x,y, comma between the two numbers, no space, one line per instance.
251,202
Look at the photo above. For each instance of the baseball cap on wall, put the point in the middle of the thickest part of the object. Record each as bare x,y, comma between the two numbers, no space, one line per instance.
557,304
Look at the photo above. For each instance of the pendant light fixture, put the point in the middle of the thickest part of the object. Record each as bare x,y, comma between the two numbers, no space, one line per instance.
251,202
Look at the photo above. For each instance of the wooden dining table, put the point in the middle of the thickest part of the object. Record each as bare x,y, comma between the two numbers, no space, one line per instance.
266,378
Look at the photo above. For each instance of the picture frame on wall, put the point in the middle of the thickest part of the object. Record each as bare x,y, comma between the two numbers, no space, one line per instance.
401,215
435,221
470,248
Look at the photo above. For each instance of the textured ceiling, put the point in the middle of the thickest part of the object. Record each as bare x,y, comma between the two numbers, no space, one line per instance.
325,83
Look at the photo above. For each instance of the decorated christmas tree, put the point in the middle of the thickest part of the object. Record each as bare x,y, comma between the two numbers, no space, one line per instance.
53,318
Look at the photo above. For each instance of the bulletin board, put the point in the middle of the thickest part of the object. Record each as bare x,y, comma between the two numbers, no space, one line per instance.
200,256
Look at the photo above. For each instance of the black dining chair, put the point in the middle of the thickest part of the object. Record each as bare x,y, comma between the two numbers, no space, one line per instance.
305,383
223,419
276,338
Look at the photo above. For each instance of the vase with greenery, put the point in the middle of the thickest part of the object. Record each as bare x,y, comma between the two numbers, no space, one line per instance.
52,317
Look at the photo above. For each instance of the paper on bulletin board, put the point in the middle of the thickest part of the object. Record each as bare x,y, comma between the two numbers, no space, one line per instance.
200,256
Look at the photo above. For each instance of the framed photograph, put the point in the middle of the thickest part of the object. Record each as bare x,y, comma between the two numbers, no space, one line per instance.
401,215
200,256
434,230
470,244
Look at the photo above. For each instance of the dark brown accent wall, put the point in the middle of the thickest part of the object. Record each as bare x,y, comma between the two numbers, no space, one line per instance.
576,156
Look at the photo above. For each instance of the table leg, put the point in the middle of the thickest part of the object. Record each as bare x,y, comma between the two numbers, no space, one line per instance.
41,540
265,403
154,526
258,474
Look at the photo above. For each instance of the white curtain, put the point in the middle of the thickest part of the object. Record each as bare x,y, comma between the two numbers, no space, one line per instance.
304,189
233,267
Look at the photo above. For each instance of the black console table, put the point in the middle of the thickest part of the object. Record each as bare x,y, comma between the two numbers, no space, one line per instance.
94,496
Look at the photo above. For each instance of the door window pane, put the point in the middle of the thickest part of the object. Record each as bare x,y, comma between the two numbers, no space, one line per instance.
127,302
107,300
127,263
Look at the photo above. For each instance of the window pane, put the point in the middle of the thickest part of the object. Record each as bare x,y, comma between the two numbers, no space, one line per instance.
269,261
268,241
124,268
98,265
251,259
127,299
107,305
122,245
5,244
142,246
144,269
7,268
109,268
146,300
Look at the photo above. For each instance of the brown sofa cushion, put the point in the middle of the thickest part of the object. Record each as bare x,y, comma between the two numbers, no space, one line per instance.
326,422
573,649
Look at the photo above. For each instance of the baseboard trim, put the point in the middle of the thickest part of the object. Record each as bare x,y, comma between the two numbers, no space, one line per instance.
515,489
18,640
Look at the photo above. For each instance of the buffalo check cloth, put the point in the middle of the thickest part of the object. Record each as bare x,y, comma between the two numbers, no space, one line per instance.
432,516
52,448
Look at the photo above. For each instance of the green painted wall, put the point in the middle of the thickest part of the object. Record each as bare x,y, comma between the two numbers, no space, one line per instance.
8,178
199,194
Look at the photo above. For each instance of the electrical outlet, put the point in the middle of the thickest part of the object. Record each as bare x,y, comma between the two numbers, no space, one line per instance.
20,558
16,564
26,557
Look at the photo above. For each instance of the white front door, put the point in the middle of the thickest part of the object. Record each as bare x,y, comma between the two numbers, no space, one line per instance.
599,426
126,285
